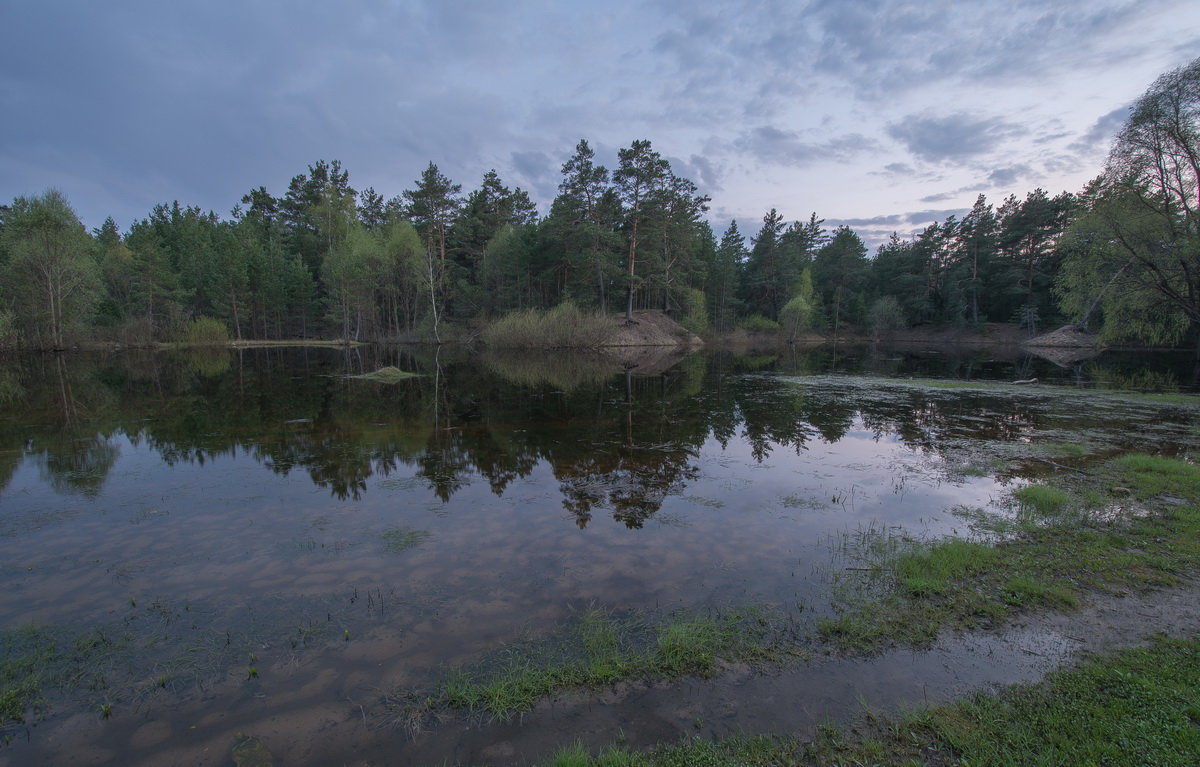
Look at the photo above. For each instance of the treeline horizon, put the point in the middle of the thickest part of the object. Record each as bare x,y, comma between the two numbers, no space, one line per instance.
325,260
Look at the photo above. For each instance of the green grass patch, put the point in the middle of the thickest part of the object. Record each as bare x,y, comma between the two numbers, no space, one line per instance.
601,648
1151,475
960,584
1136,707
400,539
934,570
388,374
1044,500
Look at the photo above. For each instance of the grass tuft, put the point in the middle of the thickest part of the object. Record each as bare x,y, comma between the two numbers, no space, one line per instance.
1043,500
935,569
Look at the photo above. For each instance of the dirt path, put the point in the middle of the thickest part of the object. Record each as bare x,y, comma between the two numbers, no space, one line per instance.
827,689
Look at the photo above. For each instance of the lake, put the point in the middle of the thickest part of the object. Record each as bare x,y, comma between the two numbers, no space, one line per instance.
198,545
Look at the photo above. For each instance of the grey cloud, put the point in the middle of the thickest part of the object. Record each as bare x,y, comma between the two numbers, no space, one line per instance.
941,196
874,222
1103,130
537,172
701,170
885,47
1009,176
929,216
773,145
952,137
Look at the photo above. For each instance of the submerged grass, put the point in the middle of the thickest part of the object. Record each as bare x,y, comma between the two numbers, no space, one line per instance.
1134,707
388,374
601,648
35,660
954,583
399,539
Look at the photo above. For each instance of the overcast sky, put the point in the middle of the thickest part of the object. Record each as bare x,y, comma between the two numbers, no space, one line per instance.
884,115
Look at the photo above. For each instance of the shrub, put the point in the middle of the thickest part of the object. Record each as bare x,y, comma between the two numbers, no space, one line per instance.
758,322
563,327
695,316
205,331
885,316
9,334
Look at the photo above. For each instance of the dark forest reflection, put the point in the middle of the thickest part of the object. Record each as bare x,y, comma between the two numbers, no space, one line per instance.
617,440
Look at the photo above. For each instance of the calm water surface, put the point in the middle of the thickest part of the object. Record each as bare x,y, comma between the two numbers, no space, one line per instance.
259,542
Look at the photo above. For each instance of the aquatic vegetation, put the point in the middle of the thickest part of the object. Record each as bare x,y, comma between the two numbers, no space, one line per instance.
602,648
400,539
248,751
387,374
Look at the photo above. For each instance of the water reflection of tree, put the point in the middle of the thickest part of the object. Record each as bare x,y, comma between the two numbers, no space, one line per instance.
622,443
72,444
632,482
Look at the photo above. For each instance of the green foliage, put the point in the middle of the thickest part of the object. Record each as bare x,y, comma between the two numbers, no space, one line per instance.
840,273
205,331
10,334
885,315
758,323
1134,256
51,279
800,312
694,316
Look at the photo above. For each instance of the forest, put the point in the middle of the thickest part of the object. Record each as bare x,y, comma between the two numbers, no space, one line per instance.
324,260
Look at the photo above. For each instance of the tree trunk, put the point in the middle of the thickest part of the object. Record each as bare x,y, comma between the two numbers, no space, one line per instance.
633,241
